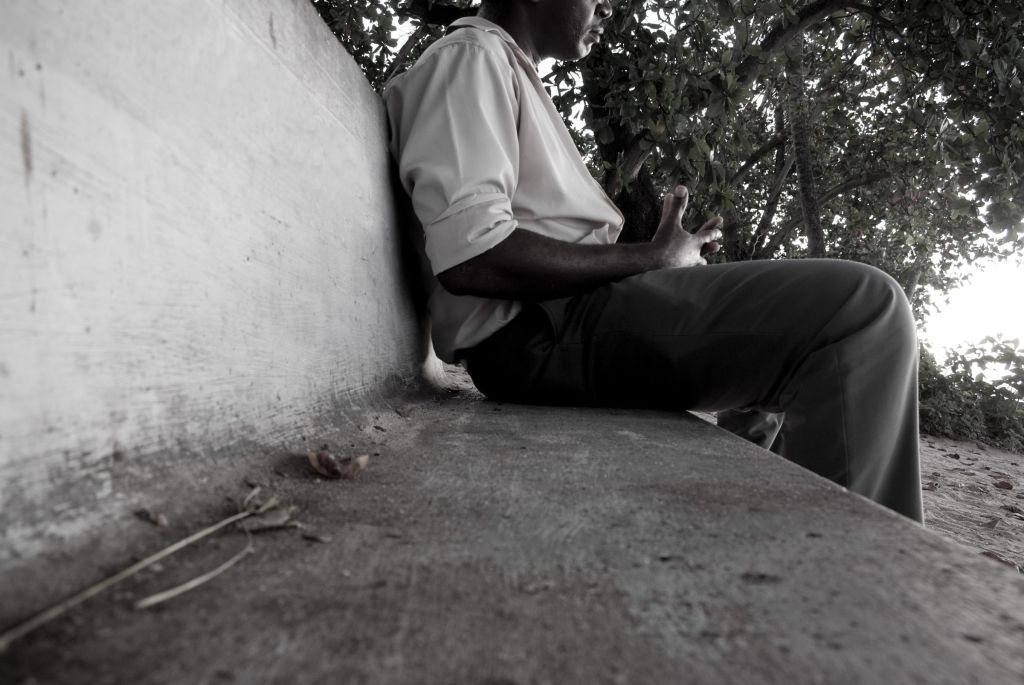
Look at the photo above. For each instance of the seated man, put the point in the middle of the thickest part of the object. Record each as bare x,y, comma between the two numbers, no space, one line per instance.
541,304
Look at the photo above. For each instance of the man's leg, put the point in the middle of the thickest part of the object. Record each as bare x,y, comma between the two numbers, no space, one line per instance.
830,343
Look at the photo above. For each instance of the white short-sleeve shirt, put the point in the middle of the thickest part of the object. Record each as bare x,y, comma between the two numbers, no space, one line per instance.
482,151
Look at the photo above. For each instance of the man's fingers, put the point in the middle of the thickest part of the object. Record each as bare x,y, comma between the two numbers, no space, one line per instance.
675,204
713,222
711,230
666,206
683,197
710,248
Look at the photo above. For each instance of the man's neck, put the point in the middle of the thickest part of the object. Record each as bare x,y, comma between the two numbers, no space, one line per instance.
517,25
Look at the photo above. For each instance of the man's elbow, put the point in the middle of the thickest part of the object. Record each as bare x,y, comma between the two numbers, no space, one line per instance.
457,280
477,278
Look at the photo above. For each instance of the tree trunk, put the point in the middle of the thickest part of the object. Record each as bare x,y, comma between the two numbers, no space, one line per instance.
800,129
913,280
783,165
641,208
731,237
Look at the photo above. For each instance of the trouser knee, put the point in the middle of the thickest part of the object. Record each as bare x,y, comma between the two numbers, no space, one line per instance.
879,301
898,314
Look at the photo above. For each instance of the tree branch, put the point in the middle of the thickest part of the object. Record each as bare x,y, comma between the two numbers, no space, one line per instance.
803,149
628,165
756,156
831,194
631,160
782,169
913,280
784,32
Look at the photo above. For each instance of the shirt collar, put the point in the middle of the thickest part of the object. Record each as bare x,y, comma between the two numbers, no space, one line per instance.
491,27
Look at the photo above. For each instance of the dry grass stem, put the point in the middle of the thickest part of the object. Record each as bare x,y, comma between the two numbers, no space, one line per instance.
249,508
60,608
173,592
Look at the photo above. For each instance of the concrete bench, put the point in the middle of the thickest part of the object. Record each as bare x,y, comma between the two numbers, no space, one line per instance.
201,277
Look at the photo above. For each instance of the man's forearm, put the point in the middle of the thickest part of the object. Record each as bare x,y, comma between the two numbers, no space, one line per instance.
530,266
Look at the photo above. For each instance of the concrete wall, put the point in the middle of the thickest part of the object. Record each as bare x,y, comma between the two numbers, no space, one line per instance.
198,245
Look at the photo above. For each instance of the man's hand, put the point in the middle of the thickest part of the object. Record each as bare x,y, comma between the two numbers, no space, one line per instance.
677,246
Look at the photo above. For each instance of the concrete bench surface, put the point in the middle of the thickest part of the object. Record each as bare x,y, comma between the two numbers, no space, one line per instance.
490,543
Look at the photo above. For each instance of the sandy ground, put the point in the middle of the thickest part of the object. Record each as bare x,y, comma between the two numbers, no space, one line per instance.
974,494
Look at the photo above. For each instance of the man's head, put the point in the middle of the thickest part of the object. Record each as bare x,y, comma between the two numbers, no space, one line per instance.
562,29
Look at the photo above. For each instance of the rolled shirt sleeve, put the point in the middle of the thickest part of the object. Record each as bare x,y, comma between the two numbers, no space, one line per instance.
457,146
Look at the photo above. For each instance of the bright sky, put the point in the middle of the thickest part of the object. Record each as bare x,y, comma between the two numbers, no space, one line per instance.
990,304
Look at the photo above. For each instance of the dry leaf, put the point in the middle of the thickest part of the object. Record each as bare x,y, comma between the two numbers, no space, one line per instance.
324,463
1004,485
329,466
313,536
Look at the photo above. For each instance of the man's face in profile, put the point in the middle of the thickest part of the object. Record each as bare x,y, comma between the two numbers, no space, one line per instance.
571,27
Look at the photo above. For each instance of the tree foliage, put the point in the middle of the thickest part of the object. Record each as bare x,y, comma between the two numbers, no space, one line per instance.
960,402
915,111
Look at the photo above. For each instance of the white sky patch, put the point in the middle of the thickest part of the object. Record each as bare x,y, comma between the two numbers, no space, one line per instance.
989,305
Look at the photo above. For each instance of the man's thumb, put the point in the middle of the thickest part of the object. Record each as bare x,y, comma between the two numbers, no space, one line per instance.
675,204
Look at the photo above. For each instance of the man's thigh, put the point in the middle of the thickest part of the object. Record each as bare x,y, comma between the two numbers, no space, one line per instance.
715,337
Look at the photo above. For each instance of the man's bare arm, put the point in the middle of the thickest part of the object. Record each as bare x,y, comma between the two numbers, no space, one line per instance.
529,266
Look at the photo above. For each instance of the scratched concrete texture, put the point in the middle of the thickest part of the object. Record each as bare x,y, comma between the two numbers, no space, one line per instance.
198,248
489,543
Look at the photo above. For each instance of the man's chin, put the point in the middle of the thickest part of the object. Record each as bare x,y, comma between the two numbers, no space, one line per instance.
582,51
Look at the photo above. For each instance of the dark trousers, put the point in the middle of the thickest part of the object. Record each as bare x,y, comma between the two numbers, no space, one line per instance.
832,344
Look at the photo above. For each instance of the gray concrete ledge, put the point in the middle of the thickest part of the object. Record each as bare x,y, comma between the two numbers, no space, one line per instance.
491,543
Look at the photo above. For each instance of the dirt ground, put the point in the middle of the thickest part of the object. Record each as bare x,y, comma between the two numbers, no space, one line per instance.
974,494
